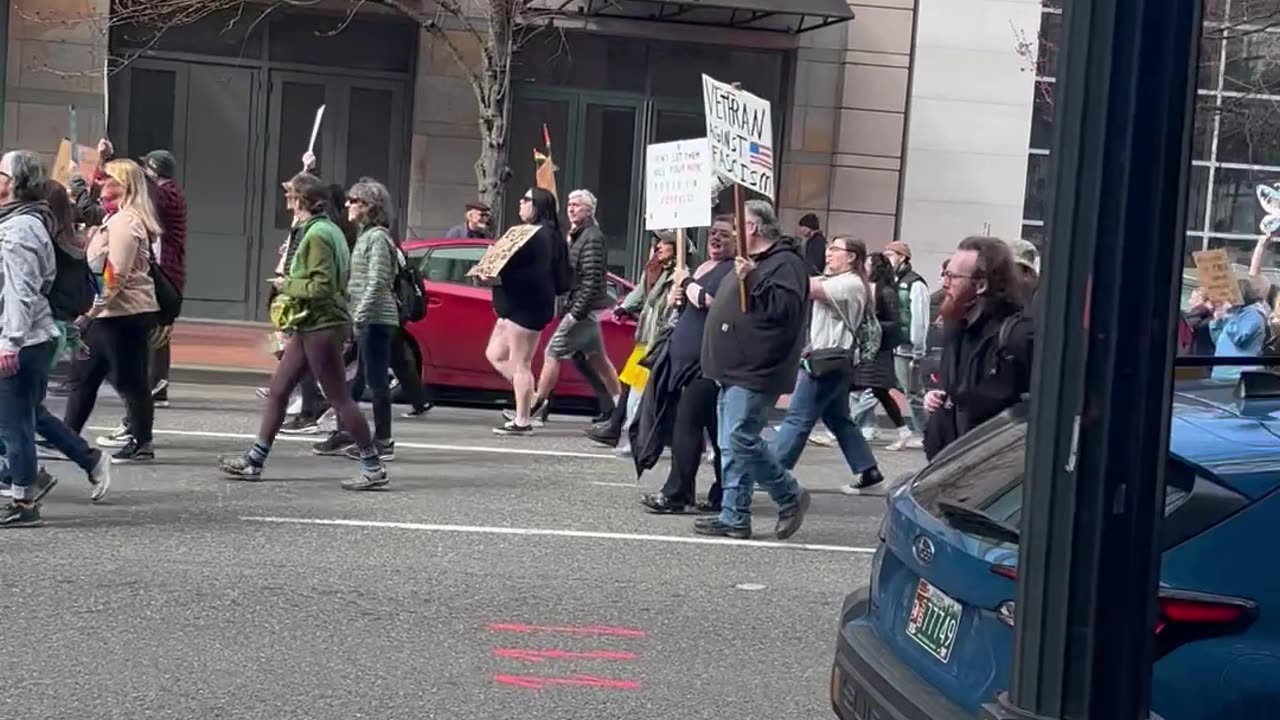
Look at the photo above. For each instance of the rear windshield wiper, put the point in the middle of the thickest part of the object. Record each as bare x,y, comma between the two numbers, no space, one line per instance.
975,522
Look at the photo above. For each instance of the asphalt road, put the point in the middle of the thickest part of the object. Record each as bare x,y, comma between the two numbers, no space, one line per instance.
495,578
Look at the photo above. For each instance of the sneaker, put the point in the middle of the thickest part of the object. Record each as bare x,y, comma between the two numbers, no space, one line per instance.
418,412
14,515
100,478
868,479
134,452
537,416
368,480
790,520
386,450
298,425
239,466
115,439
871,433
44,483
511,428
904,437
712,526
336,444
824,439
601,435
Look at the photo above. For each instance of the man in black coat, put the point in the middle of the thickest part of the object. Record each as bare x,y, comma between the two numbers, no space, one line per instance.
815,244
986,342
754,356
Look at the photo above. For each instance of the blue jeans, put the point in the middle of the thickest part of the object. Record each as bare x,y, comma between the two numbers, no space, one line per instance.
827,399
20,396
747,458
373,343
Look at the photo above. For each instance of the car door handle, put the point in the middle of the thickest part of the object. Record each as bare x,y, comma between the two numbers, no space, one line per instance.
434,300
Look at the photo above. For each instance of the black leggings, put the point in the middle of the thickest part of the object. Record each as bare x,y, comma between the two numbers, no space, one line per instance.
890,407
320,351
118,347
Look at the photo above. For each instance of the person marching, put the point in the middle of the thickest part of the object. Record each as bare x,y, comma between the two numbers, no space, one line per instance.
524,300
312,311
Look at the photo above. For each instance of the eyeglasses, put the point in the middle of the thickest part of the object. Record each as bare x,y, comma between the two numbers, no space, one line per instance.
833,246
948,275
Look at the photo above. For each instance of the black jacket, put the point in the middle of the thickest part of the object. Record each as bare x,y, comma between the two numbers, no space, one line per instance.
815,253
985,369
588,260
760,350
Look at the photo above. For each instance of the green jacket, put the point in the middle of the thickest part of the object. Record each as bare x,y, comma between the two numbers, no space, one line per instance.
650,306
374,263
313,294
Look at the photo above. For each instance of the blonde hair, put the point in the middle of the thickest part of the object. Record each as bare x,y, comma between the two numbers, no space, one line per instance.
135,196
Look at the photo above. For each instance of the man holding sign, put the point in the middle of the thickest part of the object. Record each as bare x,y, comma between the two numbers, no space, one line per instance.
754,356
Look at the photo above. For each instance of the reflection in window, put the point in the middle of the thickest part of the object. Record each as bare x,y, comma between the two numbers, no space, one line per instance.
1235,204
450,264
973,477
1251,63
1042,116
1249,132
1036,204
1197,196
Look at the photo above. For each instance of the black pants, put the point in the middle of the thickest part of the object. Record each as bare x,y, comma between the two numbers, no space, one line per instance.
589,374
695,420
118,346
406,371
160,360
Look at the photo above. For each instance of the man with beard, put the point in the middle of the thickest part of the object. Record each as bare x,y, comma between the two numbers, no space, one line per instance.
986,344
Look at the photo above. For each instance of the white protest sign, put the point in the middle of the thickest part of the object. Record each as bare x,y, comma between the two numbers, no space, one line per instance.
740,131
677,185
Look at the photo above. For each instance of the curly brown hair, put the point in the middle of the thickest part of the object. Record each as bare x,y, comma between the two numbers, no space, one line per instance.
996,266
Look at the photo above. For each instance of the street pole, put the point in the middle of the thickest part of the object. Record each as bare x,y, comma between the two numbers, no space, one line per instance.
1098,443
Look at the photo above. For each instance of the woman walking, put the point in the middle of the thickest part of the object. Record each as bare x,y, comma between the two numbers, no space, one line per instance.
312,310
877,375
119,323
840,299
524,299
374,261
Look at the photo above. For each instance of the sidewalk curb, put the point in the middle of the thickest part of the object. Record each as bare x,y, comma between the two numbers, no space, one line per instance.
209,375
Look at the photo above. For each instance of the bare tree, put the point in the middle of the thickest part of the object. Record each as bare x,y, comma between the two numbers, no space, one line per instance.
481,37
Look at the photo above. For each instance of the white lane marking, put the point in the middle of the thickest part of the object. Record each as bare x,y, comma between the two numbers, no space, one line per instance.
399,444
601,483
483,530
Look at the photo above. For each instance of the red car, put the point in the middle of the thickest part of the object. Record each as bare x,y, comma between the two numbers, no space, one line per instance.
450,341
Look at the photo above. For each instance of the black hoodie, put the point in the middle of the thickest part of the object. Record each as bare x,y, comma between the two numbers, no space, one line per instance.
760,350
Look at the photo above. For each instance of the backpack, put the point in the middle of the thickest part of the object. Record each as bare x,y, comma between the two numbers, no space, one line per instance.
407,288
561,270
868,334
74,286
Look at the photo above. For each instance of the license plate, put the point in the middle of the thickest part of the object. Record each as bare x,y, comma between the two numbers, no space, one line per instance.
934,620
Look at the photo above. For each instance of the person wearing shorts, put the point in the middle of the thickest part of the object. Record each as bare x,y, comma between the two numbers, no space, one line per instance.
578,333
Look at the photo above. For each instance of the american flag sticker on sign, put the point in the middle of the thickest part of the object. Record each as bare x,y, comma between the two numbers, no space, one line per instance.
760,156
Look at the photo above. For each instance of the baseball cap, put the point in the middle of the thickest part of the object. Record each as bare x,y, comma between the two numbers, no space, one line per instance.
1025,254
162,163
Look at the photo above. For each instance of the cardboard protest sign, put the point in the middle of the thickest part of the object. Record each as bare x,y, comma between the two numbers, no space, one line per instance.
1216,278
677,185
87,166
496,257
740,133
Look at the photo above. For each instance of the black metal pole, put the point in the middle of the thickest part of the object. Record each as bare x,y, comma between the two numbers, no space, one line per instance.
1104,347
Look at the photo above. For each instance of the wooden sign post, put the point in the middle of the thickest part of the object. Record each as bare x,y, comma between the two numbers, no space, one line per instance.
740,133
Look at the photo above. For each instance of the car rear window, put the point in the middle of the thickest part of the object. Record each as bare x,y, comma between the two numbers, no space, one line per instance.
988,475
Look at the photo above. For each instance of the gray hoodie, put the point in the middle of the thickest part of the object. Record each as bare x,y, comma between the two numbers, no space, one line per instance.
27,269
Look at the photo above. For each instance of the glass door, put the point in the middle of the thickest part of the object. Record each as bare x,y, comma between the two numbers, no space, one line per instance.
610,164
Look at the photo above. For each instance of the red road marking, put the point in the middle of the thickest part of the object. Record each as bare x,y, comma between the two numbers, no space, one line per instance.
588,630
534,682
535,656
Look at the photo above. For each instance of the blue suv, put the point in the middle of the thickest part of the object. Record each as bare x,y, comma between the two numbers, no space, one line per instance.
932,635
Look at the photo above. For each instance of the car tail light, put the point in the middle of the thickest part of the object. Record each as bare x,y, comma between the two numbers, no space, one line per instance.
1181,616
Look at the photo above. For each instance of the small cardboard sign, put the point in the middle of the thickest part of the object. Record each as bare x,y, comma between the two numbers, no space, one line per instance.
87,167
1216,278
496,257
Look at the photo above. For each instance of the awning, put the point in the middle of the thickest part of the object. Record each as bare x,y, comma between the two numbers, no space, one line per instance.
783,16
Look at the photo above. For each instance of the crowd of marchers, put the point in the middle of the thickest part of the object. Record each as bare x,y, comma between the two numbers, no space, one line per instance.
94,276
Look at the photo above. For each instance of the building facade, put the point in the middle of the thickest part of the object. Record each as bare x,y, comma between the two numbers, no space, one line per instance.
895,119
